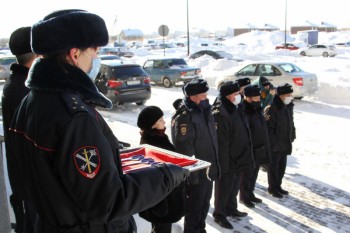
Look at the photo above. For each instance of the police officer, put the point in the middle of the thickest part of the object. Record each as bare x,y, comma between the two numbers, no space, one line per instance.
234,149
194,134
280,124
13,92
251,107
67,154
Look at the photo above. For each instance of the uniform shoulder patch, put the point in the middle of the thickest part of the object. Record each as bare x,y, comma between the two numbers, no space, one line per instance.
74,103
183,129
87,161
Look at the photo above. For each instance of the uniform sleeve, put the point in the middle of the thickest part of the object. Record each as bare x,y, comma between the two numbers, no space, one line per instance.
270,118
183,135
291,110
225,135
86,164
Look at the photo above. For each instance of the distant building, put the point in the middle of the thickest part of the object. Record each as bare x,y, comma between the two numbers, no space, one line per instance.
326,27
131,35
323,27
250,27
247,28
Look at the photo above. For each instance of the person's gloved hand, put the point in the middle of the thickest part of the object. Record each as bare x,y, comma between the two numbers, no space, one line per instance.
178,173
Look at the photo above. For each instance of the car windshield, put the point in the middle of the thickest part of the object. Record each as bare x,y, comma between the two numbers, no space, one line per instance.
123,73
177,62
290,68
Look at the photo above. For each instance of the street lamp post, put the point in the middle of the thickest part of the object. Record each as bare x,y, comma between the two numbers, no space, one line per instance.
285,26
188,31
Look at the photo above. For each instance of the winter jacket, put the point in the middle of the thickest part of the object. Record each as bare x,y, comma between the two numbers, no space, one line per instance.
193,134
259,132
265,97
280,124
234,140
70,161
156,138
174,206
13,92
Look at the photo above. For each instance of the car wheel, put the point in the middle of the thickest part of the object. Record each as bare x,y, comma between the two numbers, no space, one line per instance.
325,54
142,102
303,53
167,83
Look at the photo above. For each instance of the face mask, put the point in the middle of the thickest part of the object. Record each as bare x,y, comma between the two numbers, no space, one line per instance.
237,99
256,104
287,100
204,103
95,68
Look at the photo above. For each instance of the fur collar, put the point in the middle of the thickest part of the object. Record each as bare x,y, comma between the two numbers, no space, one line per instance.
46,75
249,108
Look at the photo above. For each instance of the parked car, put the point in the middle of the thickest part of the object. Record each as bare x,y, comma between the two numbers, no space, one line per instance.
119,51
5,63
289,46
214,54
319,50
170,71
277,73
123,82
109,57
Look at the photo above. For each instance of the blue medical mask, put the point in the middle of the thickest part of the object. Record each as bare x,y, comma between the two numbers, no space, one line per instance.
95,67
204,103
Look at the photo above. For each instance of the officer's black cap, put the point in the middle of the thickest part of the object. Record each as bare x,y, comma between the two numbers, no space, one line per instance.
228,88
284,89
243,81
20,41
252,90
195,87
66,29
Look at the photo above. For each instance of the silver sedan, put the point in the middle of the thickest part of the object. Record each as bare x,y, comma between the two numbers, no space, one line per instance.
277,73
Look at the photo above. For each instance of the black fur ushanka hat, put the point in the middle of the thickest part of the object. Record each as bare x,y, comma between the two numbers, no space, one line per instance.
66,29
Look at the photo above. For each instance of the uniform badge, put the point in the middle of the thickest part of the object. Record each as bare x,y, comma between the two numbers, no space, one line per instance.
87,161
183,129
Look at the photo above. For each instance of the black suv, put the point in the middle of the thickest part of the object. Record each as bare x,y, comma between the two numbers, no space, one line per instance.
123,83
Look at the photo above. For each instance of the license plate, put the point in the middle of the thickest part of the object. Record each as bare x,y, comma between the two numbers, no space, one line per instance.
133,82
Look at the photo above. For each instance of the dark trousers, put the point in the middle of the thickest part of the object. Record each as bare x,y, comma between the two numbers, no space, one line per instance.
161,228
199,202
275,172
232,203
24,215
224,189
247,184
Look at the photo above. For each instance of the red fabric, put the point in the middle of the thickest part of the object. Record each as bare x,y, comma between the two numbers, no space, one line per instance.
158,156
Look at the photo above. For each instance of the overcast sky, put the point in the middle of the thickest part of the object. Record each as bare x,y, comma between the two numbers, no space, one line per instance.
149,15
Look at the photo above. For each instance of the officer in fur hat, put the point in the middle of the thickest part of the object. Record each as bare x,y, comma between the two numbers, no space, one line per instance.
13,92
252,109
234,152
280,124
193,133
72,172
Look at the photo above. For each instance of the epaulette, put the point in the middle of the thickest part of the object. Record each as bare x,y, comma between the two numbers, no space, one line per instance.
73,103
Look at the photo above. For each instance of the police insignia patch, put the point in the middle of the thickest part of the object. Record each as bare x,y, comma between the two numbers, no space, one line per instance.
87,161
183,129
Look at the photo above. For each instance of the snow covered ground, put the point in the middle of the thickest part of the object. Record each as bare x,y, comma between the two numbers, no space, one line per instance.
318,170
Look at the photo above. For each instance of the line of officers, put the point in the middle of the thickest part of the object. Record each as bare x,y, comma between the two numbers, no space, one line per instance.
249,126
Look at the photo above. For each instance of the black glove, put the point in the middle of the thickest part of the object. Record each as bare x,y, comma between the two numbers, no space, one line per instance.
178,173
